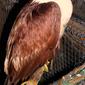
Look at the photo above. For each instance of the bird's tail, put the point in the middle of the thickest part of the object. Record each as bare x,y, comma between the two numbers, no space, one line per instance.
7,81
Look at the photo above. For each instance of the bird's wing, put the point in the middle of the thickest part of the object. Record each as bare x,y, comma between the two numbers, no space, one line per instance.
32,40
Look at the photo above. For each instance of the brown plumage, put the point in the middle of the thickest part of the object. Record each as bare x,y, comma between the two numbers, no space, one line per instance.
32,41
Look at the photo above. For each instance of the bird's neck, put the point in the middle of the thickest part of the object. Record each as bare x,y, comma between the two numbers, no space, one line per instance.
59,2
66,8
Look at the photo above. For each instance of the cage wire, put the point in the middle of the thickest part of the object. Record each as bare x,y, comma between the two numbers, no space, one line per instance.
71,55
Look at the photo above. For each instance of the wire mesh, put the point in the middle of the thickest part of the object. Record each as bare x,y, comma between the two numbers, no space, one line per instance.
71,55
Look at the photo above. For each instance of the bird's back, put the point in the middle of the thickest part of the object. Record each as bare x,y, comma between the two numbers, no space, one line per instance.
32,40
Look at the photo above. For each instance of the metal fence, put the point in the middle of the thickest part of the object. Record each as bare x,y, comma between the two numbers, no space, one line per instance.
71,55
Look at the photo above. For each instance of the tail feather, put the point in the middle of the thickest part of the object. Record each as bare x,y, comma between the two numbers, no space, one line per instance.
7,81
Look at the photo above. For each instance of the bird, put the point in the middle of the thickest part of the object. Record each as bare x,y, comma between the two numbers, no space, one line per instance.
34,38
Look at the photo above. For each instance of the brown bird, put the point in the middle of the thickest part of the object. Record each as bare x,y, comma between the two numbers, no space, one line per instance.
32,41
34,37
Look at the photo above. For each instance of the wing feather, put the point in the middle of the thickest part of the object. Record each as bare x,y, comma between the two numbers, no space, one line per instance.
32,40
